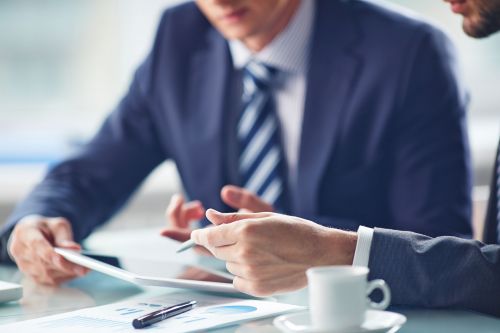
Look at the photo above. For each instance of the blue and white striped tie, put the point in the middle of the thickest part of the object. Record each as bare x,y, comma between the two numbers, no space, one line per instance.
261,160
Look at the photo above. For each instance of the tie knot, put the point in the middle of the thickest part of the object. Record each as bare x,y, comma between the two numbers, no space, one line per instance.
259,75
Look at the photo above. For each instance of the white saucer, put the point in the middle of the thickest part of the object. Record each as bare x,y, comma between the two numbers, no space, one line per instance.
375,322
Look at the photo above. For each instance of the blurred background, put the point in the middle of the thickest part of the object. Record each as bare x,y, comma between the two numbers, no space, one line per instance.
64,65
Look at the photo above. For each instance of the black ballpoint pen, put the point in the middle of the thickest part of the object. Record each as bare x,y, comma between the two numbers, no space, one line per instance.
162,314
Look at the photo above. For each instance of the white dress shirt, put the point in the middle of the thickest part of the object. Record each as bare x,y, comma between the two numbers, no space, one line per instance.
288,52
363,246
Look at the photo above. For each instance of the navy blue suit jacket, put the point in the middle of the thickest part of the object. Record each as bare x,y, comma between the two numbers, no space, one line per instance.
383,137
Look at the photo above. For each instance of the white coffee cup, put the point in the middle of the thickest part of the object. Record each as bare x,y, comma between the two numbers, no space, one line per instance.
338,296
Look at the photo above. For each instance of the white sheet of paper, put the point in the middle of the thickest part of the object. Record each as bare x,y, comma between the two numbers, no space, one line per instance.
211,312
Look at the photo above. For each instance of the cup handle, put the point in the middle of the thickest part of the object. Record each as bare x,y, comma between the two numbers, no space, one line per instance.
384,303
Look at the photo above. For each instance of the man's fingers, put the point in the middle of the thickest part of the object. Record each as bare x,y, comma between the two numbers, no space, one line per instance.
63,237
246,286
240,198
255,273
47,270
225,253
63,279
183,235
51,260
202,251
36,240
67,267
180,235
192,211
45,273
43,278
179,214
218,218
32,247
62,233
47,257
174,209
221,235
261,270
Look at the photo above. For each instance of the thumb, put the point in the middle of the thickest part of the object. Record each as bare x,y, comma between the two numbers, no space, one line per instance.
180,235
240,198
63,235
224,218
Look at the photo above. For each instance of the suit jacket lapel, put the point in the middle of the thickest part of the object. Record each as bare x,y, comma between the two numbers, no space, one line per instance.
207,100
333,66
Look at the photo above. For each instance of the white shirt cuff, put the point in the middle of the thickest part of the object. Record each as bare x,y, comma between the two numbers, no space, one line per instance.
363,246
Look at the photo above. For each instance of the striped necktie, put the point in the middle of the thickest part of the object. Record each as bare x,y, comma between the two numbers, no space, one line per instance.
261,158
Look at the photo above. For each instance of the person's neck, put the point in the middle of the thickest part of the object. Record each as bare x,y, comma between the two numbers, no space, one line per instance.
259,41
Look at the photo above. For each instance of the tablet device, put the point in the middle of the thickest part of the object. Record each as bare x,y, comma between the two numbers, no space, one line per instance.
154,273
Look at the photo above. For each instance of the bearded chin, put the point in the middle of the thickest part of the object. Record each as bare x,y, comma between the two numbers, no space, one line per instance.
487,24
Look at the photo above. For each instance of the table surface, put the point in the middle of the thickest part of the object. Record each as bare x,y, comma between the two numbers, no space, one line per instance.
98,289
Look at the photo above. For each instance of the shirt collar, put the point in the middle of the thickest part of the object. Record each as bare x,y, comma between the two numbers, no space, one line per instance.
289,50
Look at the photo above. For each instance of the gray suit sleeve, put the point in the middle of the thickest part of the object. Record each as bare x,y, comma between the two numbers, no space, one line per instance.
442,272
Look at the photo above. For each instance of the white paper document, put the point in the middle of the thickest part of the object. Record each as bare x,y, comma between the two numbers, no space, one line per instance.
210,312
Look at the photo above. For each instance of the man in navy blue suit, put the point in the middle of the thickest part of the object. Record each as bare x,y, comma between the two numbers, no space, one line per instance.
269,253
346,113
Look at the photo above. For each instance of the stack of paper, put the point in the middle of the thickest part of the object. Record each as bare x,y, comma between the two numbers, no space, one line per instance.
211,312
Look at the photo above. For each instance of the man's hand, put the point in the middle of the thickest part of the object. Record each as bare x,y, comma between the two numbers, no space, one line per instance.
244,200
32,243
269,253
181,214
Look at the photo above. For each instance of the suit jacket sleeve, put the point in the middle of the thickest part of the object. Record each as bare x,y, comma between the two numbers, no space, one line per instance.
88,187
442,272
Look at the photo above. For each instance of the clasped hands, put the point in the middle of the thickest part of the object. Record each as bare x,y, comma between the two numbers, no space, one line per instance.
267,252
